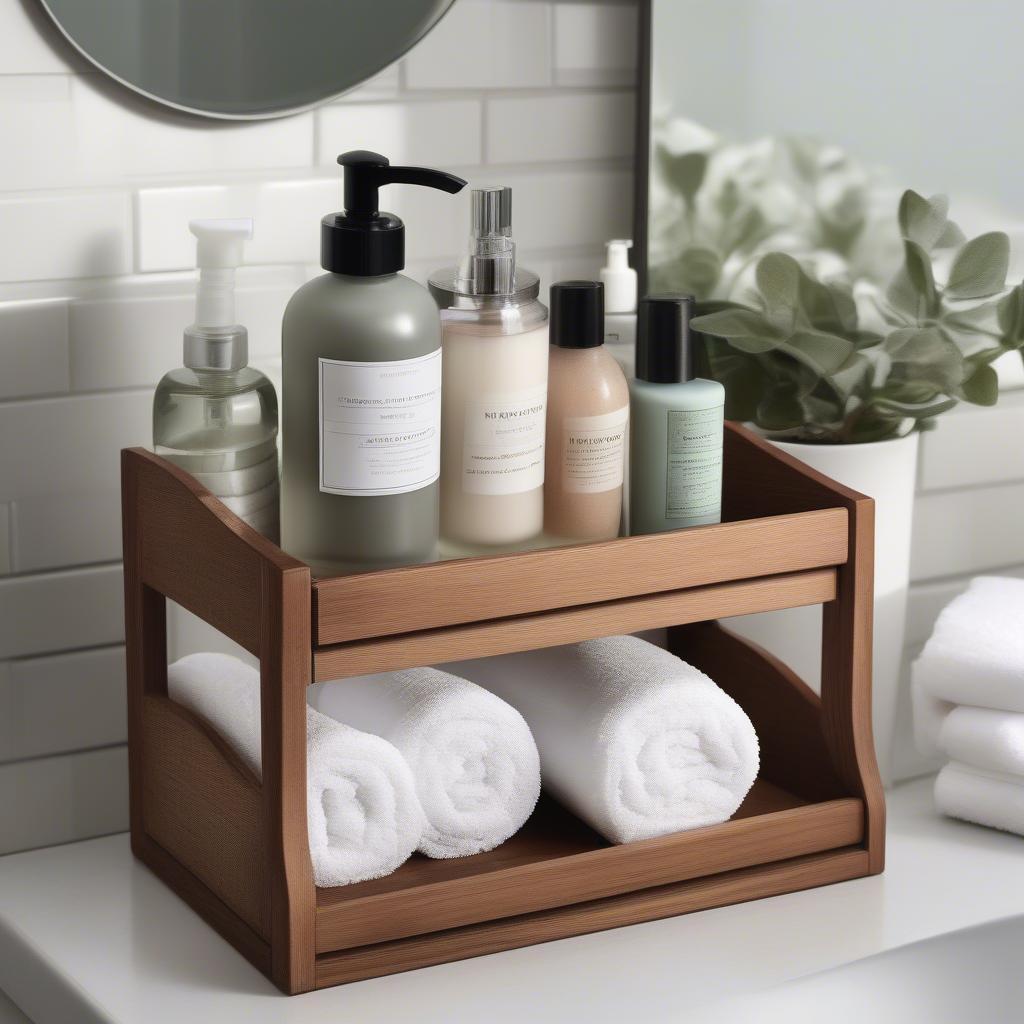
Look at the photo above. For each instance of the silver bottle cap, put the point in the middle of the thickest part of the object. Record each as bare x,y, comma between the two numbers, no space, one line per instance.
488,270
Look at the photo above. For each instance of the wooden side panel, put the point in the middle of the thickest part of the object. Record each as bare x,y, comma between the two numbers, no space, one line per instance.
596,874
846,655
205,809
285,668
204,901
785,711
189,547
756,485
182,543
569,625
631,908
472,590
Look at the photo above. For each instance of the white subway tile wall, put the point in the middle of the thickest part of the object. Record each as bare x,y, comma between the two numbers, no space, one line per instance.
96,189
96,285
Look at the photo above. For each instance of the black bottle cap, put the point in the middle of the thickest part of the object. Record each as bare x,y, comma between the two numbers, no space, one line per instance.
664,350
362,240
577,314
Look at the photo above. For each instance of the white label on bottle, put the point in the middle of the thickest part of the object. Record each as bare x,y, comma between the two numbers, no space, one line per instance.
594,452
504,443
694,468
380,425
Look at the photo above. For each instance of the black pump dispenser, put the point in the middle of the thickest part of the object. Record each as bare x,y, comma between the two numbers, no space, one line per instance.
364,241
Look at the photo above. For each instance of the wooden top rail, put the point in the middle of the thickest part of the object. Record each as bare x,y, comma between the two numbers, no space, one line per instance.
191,548
782,518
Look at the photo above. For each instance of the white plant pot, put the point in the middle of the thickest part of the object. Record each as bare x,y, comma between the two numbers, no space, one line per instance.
886,471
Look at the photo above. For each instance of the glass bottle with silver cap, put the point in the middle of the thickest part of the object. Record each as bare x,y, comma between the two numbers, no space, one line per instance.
216,416
494,385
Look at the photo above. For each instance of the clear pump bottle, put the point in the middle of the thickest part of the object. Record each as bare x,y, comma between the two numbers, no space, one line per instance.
494,385
216,417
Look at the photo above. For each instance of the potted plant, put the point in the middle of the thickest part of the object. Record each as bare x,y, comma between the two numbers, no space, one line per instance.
832,349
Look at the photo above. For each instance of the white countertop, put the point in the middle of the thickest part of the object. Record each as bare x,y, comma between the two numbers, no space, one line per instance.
87,935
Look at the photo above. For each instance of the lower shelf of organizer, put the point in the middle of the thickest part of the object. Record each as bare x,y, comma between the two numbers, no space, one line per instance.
775,879
557,861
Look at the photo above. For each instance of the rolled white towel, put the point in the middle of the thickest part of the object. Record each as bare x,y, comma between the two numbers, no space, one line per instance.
474,762
363,815
975,654
987,798
633,740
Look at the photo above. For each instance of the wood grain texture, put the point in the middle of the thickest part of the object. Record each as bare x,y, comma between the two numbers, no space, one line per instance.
552,875
615,912
285,667
804,540
184,544
570,625
471,590
204,807
204,901
785,711
846,656
189,547
765,480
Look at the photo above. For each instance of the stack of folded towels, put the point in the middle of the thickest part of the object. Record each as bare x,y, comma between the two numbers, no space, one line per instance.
968,690
445,761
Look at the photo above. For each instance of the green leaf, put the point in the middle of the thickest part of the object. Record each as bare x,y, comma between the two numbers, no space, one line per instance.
924,357
951,238
828,307
698,270
913,288
823,353
743,378
744,231
982,387
738,322
922,221
1010,313
980,267
778,280
780,409
685,172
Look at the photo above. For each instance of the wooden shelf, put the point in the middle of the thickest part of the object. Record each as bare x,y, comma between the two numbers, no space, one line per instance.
235,847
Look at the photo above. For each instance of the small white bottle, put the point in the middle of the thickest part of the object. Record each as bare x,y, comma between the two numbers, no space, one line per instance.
620,293
494,373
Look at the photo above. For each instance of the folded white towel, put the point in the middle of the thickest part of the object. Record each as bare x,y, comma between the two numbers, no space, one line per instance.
984,738
474,762
928,715
364,818
983,797
975,654
633,740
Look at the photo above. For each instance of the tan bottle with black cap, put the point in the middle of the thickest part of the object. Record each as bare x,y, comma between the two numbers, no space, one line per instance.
588,412
361,389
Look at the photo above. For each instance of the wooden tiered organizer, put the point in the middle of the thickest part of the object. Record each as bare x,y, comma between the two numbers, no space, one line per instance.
235,848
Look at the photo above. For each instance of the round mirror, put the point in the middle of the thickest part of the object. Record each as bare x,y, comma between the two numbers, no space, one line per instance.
243,58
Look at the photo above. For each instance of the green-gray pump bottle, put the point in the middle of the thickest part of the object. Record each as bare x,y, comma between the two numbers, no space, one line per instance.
361,389
676,425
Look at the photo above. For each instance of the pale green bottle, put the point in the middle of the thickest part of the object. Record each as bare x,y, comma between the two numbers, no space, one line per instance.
676,425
